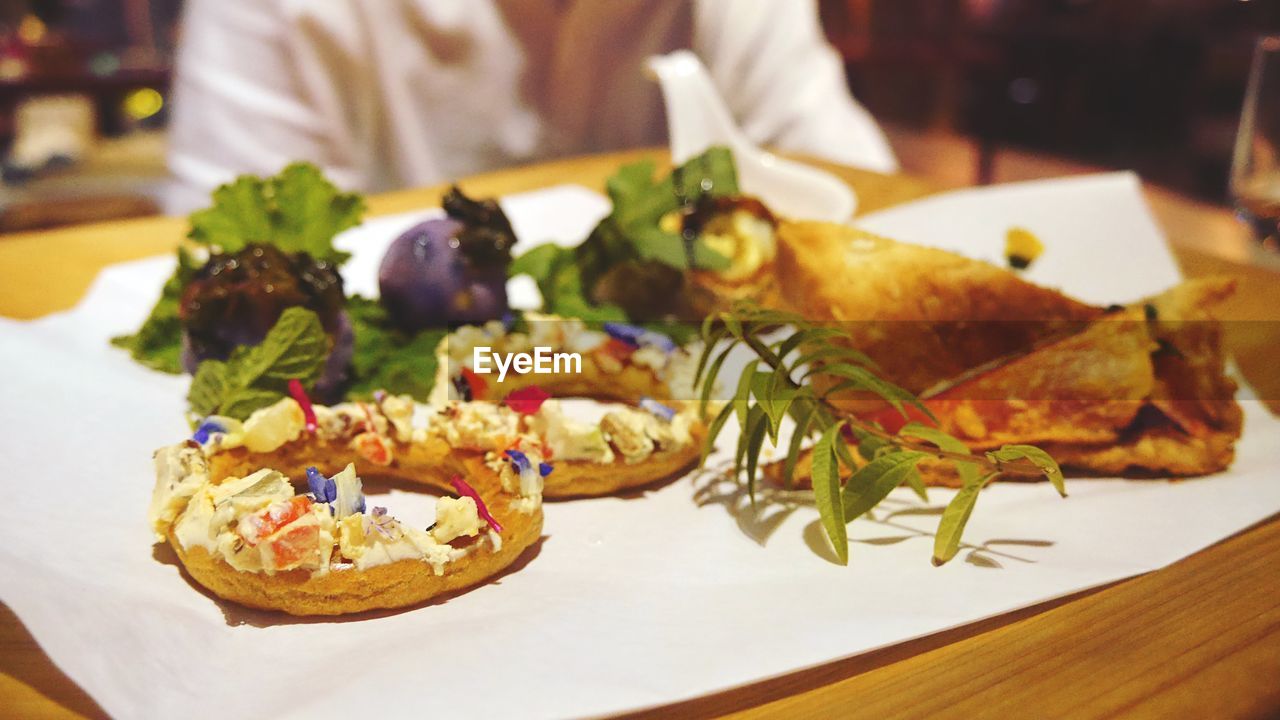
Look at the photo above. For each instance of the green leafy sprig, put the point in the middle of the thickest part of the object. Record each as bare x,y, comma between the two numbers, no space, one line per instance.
158,343
255,377
777,383
630,243
388,358
297,210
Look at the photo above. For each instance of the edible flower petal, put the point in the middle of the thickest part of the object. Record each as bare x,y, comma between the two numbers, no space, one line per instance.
379,520
544,469
349,498
657,409
466,490
519,461
638,336
324,489
207,428
527,401
299,394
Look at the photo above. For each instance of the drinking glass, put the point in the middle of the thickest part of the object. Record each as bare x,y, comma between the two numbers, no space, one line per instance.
1255,165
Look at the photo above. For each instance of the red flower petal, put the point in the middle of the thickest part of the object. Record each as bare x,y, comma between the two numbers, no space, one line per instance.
299,394
526,401
466,490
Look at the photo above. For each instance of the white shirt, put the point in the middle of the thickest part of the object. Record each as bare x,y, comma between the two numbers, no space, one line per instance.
393,93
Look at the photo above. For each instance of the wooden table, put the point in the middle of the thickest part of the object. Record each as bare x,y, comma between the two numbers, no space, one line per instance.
1198,639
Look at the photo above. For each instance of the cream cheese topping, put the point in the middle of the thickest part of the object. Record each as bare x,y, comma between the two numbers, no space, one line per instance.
455,518
477,425
271,427
367,542
569,439
181,471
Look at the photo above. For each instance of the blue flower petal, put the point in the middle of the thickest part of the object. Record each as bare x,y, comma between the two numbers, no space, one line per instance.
519,461
658,409
207,428
624,332
323,489
638,336
545,469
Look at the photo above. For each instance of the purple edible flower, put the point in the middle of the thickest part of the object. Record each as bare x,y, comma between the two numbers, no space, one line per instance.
658,409
207,428
638,336
380,521
519,461
323,489
544,469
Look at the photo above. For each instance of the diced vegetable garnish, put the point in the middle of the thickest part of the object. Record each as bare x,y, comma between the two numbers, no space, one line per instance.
253,528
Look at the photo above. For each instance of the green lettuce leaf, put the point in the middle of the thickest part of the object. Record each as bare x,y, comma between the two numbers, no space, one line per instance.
297,210
630,237
158,343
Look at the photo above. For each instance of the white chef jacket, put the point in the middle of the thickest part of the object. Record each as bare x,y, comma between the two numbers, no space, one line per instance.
394,93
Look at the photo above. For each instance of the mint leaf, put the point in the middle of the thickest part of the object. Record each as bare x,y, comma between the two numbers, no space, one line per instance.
158,343
242,403
255,377
629,241
297,210
209,386
295,347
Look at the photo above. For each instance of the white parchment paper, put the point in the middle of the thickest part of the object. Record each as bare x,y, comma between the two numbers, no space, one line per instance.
627,602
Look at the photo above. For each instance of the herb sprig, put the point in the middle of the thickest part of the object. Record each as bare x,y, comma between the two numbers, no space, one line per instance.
255,377
778,383
629,260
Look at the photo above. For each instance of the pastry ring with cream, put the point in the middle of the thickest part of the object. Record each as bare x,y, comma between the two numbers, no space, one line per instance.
621,362
226,501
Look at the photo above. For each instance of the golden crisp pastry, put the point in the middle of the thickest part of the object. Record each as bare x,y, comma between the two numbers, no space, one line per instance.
1136,391
923,315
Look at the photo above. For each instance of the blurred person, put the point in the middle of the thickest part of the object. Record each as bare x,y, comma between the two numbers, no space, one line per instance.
393,93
